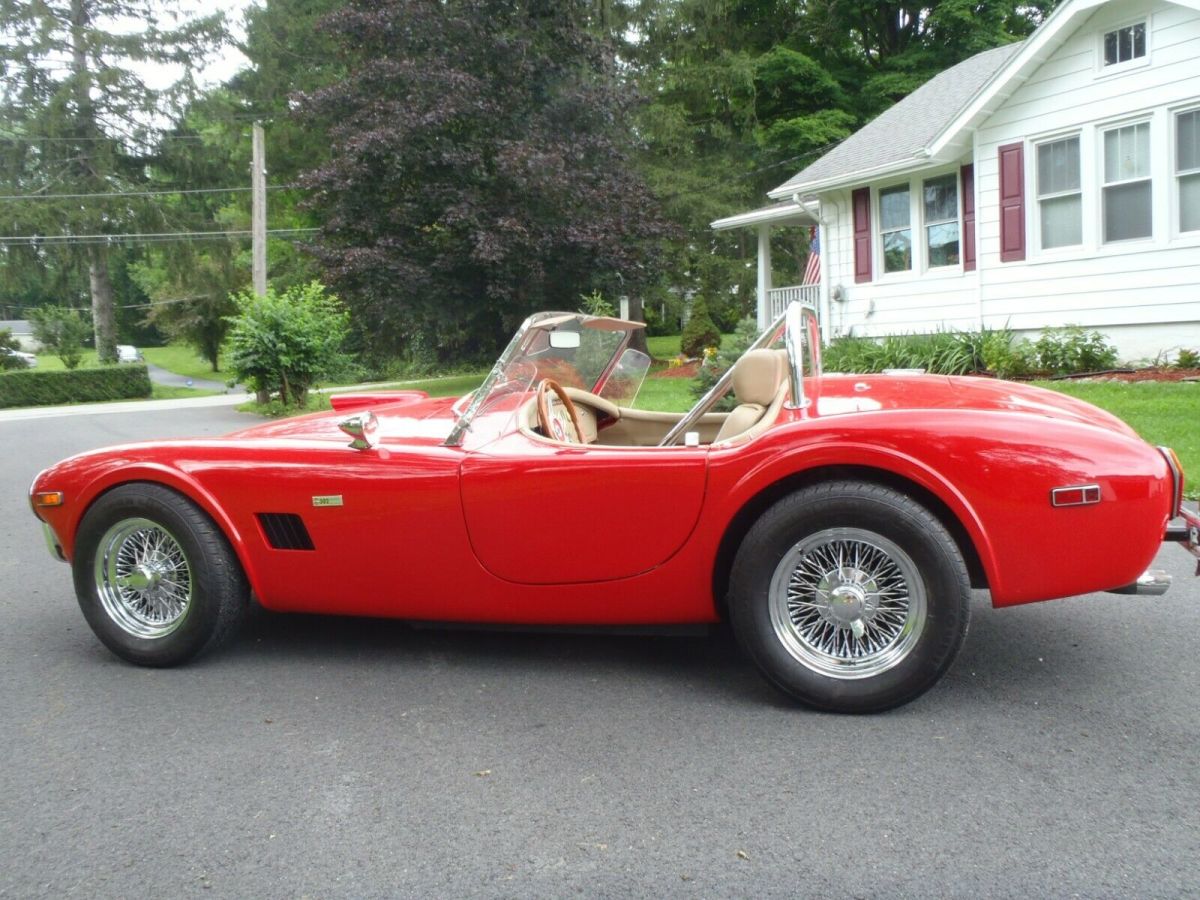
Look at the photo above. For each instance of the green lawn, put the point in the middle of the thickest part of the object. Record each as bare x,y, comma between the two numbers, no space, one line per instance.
171,392
177,358
182,360
1161,412
48,362
667,345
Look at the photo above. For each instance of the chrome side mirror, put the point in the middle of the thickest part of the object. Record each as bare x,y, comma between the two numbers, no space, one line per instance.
363,428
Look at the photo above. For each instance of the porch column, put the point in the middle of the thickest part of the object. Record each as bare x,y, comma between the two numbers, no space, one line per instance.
764,275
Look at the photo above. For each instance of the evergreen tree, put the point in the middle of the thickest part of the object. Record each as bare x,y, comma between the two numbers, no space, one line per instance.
77,118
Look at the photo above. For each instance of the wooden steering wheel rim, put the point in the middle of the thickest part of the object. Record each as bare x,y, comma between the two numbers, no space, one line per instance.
543,409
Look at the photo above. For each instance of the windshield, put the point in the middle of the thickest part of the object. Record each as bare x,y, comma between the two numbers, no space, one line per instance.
576,350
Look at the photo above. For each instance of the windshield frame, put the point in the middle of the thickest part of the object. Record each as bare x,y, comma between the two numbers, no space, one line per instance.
518,346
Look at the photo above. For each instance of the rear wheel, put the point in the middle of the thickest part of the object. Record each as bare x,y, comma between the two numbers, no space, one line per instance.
850,597
156,579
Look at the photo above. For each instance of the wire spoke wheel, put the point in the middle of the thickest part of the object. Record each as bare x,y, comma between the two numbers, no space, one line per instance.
143,578
847,603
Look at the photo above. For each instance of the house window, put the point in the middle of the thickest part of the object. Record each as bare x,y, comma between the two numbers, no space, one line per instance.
895,229
1128,209
1187,168
1125,44
1059,193
941,220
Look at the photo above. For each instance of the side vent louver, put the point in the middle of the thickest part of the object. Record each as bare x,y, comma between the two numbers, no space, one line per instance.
285,531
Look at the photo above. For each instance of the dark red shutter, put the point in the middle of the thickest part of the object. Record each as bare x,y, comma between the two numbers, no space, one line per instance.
861,201
968,208
1012,202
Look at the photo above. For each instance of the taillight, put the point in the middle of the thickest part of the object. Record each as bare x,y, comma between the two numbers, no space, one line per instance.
1176,479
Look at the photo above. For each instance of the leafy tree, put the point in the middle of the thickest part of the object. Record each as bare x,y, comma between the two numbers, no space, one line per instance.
700,332
285,342
61,330
480,171
79,119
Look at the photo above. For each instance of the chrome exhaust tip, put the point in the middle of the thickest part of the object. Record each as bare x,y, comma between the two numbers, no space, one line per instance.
1152,583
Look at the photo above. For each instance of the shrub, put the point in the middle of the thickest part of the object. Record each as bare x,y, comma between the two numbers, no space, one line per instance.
700,331
8,342
1188,359
283,343
715,366
1071,350
61,330
29,387
1003,356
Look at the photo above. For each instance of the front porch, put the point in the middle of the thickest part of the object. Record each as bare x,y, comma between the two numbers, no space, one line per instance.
771,300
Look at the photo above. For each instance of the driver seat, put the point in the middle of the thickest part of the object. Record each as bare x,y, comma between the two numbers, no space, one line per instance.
760,384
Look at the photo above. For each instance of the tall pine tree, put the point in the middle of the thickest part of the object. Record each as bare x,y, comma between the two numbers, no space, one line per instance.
77,118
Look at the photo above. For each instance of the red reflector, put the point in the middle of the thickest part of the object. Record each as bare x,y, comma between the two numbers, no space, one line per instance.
48,498
1080,495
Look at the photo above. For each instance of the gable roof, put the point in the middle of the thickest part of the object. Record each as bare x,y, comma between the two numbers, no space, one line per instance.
935,116
901,133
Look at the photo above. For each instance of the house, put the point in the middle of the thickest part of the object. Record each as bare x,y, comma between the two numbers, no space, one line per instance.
22,331
1049,182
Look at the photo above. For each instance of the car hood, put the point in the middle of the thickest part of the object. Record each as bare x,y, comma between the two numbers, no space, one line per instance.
425,421
841,394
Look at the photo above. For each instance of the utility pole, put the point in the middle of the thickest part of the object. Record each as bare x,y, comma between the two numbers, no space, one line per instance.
258,210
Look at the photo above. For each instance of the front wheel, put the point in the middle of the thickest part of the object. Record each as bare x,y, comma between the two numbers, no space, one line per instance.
156,579
850,597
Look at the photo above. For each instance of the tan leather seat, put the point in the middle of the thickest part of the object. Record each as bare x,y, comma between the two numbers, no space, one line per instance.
760,384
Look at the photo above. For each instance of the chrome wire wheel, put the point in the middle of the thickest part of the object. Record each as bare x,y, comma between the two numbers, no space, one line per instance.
143,578
847,603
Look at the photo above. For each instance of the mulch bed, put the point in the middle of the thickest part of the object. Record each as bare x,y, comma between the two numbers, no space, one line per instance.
687,370
1152,373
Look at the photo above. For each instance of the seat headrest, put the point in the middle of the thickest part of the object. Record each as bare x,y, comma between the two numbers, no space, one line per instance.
758,375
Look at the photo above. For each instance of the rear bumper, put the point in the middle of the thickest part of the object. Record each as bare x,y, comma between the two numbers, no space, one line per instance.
1186,532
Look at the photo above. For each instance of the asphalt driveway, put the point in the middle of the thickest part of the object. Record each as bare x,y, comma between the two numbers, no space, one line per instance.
334,757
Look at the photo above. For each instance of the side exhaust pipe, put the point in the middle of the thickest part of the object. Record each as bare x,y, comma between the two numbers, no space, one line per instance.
1152,583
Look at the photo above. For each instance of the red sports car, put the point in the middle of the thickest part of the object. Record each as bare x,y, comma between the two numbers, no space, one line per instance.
838,522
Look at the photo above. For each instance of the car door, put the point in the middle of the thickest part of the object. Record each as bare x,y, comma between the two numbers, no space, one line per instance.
539,513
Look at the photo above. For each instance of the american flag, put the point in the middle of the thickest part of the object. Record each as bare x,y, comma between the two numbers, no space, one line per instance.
812,268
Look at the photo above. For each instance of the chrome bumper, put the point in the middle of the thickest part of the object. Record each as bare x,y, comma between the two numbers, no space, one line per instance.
52,543
1186,533
1152,583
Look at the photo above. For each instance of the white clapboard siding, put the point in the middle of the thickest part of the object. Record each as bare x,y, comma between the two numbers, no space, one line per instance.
1148,287
1146,282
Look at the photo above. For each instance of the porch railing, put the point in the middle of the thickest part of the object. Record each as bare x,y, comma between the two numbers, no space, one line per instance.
779,298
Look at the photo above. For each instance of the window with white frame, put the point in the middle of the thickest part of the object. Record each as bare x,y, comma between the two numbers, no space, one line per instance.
941,220
1128,206
1123,45
895,229
1059,193
1187,168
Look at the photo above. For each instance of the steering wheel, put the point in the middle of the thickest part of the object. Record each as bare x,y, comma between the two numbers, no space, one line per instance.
552,425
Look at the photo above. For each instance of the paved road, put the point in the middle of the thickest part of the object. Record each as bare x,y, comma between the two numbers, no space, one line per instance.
159,375
337,758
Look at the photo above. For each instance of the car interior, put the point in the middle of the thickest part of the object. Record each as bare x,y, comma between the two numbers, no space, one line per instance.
759,383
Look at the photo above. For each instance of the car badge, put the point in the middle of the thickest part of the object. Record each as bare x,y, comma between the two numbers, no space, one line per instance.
328,500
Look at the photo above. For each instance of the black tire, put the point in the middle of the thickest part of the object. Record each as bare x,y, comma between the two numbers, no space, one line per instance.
156,579
845,632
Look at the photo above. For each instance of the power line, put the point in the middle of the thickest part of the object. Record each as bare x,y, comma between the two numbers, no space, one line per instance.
138,237
165,193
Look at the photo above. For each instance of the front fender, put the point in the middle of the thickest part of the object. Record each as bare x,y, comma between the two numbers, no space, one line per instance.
65,519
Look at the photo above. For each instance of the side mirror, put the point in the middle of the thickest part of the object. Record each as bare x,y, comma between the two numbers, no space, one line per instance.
363,428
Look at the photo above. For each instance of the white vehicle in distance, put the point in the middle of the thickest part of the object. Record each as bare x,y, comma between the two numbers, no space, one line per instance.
28,358
128,354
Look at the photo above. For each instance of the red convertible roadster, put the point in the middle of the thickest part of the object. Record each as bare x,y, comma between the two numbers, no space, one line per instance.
838,522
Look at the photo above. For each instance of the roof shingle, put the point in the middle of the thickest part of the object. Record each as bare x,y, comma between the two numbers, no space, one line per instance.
902,131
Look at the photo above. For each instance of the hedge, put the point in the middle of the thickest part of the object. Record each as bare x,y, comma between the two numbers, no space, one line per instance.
29,387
